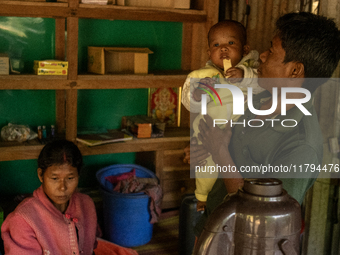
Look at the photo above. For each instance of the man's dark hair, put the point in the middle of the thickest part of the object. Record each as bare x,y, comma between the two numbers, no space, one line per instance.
60,152
227,22
312,40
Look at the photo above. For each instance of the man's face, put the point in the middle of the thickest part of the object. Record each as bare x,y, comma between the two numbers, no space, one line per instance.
272,65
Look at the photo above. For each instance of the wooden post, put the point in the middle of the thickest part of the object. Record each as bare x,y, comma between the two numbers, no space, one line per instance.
60,55
72,94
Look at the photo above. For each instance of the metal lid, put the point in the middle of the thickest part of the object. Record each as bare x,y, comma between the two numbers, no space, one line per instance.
263,187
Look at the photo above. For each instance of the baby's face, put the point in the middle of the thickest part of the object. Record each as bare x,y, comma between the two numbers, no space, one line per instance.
225,42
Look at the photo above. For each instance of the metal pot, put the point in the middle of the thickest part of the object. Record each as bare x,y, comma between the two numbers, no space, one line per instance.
259,219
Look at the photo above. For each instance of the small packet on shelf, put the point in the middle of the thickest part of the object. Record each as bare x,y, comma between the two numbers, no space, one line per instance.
18,133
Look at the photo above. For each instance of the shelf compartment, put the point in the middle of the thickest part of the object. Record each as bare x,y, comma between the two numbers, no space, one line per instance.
34,9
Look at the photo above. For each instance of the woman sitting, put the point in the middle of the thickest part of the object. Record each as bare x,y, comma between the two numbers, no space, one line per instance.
56,219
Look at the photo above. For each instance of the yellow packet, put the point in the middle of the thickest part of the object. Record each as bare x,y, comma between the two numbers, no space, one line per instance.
226,65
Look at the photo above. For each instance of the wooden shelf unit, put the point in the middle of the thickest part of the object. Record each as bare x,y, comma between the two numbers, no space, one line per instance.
166,153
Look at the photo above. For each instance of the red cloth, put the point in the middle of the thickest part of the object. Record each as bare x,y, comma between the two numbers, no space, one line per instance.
37,227
107,248
129,183
116,178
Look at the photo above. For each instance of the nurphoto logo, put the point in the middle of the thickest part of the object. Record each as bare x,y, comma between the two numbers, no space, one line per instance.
238,104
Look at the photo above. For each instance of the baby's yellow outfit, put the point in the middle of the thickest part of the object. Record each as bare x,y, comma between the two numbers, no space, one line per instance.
205,180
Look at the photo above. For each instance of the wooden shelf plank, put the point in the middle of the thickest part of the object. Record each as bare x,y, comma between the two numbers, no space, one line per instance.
20,152
34,82
128,81
32,151
62,10
140,145
140,13
34,9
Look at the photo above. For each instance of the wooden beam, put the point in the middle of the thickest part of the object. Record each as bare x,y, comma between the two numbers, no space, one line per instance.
139,13
60,95
25,151
128,81
34,9
187,49
33,82
72,95
74,9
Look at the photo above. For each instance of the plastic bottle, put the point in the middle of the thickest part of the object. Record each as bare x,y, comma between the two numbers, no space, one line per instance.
44,132
39,133
52,131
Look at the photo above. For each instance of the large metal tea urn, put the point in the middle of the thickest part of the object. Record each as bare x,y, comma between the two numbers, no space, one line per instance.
260,219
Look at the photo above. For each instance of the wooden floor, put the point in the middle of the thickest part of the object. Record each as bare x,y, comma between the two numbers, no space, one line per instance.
165,236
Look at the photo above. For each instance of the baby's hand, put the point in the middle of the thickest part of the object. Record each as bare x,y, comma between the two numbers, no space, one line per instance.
200,206
234,74
204,84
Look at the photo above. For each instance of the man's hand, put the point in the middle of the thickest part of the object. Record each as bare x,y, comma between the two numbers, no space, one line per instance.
214,139
195,154
201,206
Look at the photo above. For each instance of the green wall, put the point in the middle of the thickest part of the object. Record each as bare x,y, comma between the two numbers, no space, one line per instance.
33,38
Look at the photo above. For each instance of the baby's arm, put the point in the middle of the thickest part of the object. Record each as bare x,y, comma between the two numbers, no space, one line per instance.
203,86
189,95
186,94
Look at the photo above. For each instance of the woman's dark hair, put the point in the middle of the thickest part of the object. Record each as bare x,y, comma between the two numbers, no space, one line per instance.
312,40
60,152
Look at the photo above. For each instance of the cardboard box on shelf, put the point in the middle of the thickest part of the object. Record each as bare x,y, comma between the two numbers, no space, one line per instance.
143,126
118,60
177,4
4,64
50,71
50,64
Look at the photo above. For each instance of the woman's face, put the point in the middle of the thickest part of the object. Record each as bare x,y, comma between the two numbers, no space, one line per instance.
59,183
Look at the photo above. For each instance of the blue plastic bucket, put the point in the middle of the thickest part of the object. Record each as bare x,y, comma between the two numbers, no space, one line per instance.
126,216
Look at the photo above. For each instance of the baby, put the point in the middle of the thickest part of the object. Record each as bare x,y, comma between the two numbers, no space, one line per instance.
229,57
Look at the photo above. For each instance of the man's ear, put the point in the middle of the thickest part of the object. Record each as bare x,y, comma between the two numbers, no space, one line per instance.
40,176
298,70
246,50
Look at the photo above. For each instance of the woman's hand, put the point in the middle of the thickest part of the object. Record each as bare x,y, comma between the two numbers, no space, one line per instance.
214,139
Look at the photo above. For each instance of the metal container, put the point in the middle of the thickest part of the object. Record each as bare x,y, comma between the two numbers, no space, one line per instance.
188,217
259,219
